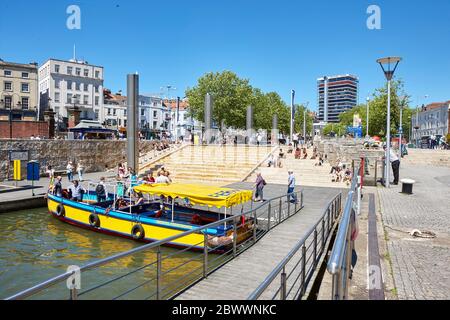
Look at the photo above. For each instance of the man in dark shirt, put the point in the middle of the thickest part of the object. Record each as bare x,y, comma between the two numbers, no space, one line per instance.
57,187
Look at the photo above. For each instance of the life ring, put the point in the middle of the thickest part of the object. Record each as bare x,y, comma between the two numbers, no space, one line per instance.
94,220
60,211
138,232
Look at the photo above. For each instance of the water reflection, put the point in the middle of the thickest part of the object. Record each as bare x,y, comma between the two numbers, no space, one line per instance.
35,246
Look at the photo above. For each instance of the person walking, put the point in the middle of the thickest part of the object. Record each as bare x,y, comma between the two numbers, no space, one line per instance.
51,175
295,140
80,169
291,187
69,170
259,185
395,163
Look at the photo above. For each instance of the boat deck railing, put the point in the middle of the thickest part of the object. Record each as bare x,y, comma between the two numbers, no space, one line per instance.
154,272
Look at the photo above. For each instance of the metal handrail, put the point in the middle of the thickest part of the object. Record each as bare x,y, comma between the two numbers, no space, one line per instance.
340,259
64,276
281,267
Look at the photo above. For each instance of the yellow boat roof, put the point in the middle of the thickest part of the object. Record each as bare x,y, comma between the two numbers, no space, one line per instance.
198,194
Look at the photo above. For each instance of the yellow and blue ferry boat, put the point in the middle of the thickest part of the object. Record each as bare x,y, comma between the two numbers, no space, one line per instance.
156,219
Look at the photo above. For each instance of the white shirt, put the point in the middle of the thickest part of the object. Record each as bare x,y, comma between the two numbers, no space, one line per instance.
162,179
393,157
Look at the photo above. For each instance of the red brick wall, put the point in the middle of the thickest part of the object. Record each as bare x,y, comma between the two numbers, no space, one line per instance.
24,129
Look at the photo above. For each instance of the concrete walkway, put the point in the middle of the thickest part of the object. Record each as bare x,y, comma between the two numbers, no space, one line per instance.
420,267
241,276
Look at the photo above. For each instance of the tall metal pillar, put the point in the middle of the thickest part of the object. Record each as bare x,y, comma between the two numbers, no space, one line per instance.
208,117
133,121
177,119
325,100
274,137
292,116
249,123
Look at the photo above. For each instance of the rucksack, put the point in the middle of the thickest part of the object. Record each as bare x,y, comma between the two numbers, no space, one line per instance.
100,189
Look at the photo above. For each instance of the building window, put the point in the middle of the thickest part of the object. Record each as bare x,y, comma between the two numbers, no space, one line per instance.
142,112
109,111
97,74
77,86
25,87
57,68
8,86
25,102
96,89
69,70
97,99
86,72
57,96
155,124
78,71
69,98
125,122
96,114
86,87
114,112
8,102
57,83
69,85
155,114
25,75
86,99
120,122
125,112
8,73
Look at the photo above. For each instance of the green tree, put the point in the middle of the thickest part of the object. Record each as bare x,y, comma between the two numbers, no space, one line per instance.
298,119
231,96
265,106
378,111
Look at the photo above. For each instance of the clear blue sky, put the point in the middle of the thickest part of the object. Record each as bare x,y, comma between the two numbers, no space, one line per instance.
278,45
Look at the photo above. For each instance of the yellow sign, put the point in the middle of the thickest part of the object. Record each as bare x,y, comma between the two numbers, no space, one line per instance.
196,140
17,173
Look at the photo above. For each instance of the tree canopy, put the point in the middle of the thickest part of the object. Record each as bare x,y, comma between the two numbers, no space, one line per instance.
231,96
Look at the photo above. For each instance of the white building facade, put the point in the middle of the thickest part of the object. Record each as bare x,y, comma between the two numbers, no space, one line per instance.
65,84
153,114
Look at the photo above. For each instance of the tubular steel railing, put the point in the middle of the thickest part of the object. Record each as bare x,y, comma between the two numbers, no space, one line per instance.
339,264
295,271
166,273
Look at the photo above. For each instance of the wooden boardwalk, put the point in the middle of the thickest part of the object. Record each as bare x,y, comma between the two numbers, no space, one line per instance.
241,276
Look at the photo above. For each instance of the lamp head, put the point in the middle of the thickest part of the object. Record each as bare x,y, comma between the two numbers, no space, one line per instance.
386,65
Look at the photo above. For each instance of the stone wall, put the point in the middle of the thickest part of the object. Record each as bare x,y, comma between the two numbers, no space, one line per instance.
96,155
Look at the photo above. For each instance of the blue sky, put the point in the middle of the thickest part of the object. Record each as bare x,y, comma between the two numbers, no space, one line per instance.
278,45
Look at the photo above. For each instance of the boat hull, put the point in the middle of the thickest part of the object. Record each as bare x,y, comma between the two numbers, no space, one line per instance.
120,224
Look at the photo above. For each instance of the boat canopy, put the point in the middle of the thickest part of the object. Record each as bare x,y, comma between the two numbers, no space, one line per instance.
198,194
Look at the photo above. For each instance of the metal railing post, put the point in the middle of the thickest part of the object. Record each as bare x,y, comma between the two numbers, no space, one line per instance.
234,237
205,255
315,246
73,292
289,209
283,285
328,221
279,212
303,270
295,205
255,224
358,194
323,234
268,215
158,273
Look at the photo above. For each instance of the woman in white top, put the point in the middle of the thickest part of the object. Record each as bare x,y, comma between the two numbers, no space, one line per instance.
80,169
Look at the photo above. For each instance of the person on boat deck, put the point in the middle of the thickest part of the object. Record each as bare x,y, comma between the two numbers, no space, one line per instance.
57,187
77,191
133,178
149,178
100,190
139,198
120,190
162,178
51,174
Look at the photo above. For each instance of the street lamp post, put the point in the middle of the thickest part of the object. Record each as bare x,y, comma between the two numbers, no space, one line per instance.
367,117
292,115
385,64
